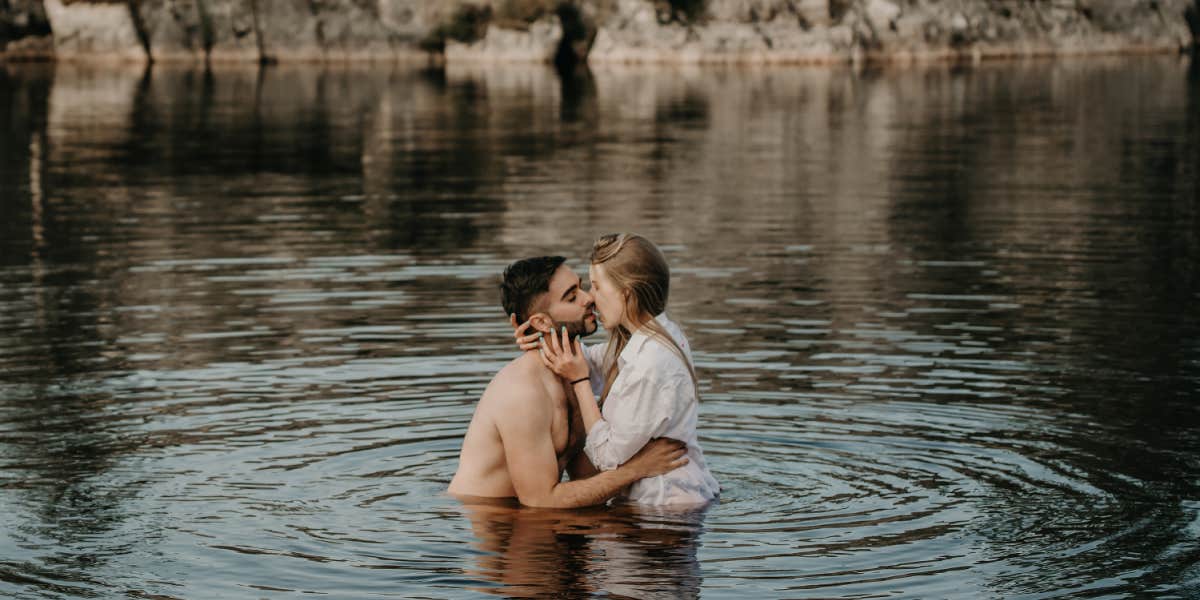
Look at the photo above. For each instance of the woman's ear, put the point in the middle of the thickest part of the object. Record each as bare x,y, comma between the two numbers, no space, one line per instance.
542,322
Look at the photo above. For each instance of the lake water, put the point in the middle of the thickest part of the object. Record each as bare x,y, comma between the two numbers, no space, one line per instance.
946,321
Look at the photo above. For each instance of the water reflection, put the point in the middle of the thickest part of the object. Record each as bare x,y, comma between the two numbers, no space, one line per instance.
55,452
623,551
944,319
578,94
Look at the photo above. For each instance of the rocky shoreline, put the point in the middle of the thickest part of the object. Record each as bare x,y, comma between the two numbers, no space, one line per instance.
595,31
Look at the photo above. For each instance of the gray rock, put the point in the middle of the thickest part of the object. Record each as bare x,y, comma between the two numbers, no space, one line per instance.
412,19
911,26
30,48
959,23
805,13
24,29
882,14
94,31
814,12
748,11
537,44
232,30
288,30
623,30
732,42
818,44
172,29
633,34
354,30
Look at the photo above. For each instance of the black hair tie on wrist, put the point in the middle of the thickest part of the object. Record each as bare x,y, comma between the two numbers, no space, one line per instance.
578,380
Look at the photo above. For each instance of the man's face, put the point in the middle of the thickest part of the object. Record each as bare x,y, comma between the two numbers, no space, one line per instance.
569,304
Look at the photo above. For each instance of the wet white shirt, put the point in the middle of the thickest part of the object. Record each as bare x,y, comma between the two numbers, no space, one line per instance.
652,397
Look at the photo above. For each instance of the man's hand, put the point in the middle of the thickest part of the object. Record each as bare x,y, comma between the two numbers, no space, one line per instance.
658,456
525,342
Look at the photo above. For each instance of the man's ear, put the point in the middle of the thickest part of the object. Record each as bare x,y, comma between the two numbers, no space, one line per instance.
542,322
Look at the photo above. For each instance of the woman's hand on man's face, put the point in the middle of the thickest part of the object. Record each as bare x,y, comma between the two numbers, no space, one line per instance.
525,341
564,356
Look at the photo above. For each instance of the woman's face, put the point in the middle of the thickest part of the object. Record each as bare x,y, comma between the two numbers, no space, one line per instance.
610,302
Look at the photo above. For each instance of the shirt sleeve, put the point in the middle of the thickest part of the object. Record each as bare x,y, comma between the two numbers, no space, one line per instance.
642,412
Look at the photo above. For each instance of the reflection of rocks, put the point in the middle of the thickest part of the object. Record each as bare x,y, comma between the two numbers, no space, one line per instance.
535,82
286,133
516,152
23,92
660,174
95,102
682,152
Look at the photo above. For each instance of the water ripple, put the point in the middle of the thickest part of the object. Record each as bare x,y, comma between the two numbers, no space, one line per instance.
941,320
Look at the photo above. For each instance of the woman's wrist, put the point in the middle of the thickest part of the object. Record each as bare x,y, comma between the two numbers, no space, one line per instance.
580,380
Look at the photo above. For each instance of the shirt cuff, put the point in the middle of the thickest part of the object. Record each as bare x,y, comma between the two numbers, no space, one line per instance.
597,441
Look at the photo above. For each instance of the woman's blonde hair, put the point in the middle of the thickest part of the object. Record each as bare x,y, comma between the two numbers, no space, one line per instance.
636,268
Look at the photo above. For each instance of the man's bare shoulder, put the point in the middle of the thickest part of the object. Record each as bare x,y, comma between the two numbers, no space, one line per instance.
516,387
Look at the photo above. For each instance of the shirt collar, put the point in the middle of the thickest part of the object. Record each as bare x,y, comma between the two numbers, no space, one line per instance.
638,340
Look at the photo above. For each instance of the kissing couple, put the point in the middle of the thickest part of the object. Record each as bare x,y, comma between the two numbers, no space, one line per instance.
630,403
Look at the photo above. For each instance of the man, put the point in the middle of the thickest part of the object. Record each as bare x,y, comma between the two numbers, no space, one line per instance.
526,428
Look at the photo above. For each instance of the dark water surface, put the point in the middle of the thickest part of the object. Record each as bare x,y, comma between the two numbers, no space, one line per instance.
947,320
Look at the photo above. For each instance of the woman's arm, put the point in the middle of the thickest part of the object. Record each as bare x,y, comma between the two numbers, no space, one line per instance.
647,401
588,409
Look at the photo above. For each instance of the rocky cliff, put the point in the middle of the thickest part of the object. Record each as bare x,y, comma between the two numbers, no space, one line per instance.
24,29
739,31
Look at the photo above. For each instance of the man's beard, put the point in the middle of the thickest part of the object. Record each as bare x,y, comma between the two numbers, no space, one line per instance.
579,328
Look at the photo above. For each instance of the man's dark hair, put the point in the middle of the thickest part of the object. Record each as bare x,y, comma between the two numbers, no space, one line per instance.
524,281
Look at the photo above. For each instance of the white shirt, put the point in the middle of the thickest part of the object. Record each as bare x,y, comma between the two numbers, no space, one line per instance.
652,397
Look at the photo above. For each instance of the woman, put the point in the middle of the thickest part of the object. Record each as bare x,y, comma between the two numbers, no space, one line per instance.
643,374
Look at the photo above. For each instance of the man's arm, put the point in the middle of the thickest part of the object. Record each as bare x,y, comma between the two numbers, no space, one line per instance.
524,428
